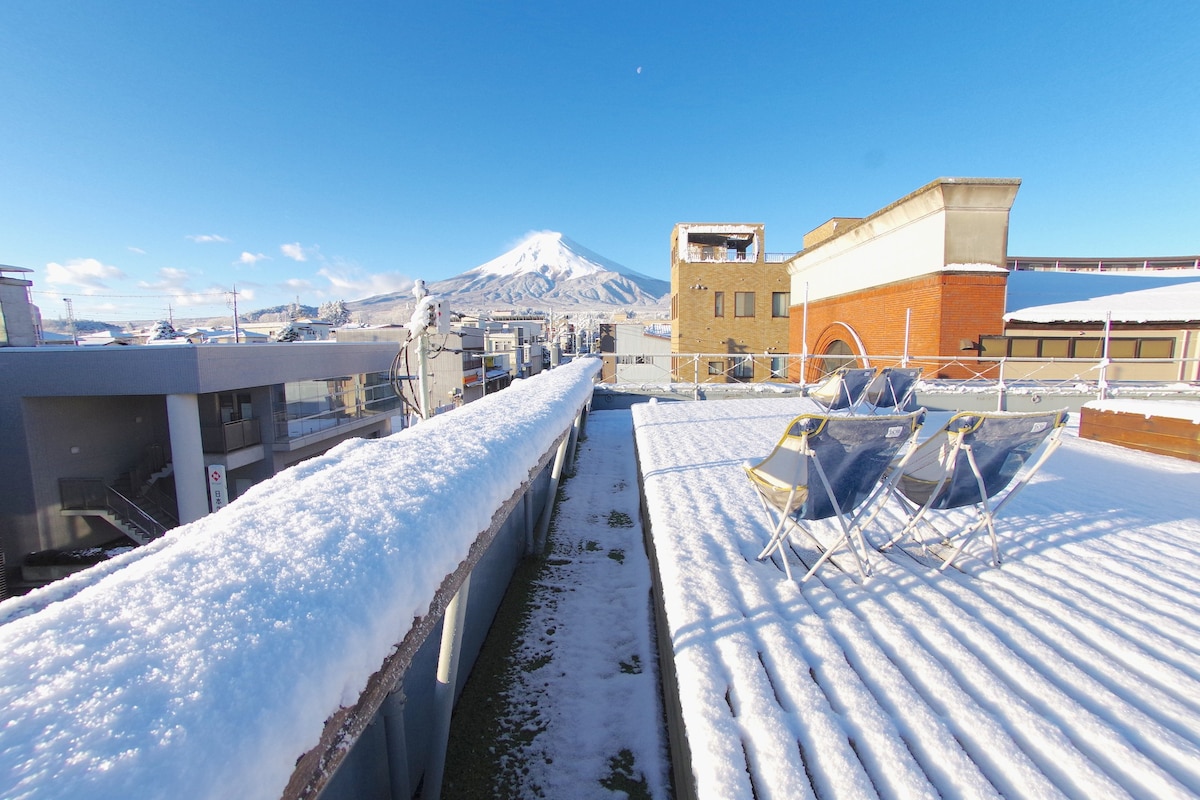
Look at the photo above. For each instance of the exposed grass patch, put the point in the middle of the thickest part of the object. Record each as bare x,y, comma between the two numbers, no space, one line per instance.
633,666
619,519
624,777
535,664
617,555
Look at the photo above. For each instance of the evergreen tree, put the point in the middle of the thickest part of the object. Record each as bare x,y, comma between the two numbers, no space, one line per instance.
288,333
334,312
163,329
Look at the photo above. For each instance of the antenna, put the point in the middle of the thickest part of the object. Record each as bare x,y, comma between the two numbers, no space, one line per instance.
71,320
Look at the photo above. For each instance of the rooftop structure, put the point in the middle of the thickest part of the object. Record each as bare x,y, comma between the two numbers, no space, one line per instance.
1071,670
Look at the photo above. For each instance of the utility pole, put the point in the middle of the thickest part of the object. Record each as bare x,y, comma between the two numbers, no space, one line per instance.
71,320
237,334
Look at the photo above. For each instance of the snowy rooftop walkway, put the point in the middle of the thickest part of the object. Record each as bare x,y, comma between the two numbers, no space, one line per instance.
1074,670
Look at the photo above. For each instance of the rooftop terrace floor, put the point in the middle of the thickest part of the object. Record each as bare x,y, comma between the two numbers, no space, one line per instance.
1073,670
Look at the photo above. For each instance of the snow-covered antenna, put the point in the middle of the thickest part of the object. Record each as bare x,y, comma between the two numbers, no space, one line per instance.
430,316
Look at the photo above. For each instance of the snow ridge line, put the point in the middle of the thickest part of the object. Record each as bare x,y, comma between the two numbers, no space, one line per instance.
1008,655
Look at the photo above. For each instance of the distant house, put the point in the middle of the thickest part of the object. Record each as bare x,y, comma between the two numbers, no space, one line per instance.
242,336
311,330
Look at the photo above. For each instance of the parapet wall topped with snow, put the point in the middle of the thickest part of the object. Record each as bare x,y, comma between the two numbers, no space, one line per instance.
949,225
207,663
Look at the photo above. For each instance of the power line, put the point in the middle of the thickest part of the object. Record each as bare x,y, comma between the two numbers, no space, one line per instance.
170,296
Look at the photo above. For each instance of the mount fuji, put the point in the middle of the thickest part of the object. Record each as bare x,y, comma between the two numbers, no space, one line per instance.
547,268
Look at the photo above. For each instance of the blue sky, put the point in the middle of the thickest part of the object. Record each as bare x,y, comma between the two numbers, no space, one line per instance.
156,155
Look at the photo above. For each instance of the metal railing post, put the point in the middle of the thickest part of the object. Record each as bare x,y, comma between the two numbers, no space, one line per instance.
1001,397
453,623
543,526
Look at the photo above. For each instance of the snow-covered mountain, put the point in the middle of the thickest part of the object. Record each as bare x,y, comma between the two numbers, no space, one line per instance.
546,270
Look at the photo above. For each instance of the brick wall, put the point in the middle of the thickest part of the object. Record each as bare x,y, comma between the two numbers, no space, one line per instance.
946,309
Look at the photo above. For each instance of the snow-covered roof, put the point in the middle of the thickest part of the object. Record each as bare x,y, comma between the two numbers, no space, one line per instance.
158,673
1079,297
1073,670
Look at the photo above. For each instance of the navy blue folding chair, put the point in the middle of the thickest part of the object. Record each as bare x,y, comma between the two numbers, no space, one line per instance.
828,466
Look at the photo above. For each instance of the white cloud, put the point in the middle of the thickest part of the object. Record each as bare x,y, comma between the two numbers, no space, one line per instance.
137,250
297,285
352,283
171,280
88,274
294,251
252,258
204,238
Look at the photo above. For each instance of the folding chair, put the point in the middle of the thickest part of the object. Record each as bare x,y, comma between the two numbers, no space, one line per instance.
828,465
969,462
843,389
892,391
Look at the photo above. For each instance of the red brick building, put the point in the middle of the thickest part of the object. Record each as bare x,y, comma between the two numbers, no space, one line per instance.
924,276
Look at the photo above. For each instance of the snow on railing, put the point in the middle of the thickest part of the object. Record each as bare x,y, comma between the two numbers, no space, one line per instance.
233,657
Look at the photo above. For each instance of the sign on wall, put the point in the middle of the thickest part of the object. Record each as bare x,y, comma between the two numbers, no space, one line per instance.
218,493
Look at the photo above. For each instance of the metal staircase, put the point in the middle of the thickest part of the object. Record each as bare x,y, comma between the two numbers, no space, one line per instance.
136,503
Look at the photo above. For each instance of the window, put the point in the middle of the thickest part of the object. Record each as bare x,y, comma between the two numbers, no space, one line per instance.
1091,348
779,367
743,304
1023,348
1055,348
304,407
742,368
718,304
837,355
779,303
1156,348
1122,348
993,346
715,368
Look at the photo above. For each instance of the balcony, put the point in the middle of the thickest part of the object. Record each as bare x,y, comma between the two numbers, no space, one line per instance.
230,436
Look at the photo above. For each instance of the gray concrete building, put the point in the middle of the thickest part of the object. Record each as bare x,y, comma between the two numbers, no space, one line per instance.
100,442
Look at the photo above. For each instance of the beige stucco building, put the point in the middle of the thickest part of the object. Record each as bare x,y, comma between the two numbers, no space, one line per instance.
729,302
